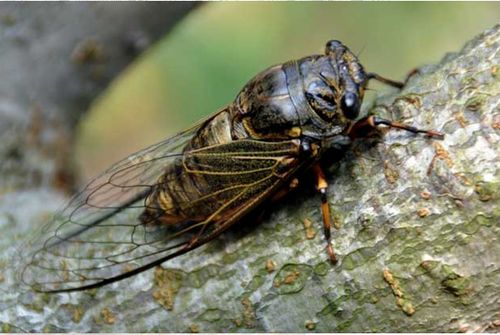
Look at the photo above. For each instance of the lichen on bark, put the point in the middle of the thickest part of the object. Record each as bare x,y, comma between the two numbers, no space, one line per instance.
418,245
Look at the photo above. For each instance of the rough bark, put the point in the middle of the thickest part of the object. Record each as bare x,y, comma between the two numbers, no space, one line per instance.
418,242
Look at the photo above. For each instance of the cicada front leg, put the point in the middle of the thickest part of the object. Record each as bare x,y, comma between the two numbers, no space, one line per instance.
365,125
322,187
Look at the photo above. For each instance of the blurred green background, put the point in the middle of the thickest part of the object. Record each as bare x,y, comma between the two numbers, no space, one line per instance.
203,63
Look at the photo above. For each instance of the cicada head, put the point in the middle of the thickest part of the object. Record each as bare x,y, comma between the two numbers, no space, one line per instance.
334,85
348,78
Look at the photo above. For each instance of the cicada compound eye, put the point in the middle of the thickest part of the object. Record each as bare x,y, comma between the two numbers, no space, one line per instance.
350,105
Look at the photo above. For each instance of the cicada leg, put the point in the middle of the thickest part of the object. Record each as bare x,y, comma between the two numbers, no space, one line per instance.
321,187
363,127
393,83
390,82
259,216
294,183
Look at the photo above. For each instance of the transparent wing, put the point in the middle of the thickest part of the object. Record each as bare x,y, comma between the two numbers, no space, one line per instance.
101,217
98,238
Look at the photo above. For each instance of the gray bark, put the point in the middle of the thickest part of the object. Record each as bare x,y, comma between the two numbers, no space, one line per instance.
56,58
418,242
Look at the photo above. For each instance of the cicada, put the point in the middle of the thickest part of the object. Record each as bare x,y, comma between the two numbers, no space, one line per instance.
179,194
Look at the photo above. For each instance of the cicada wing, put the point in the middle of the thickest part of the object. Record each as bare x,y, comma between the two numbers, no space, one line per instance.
81,252
100,220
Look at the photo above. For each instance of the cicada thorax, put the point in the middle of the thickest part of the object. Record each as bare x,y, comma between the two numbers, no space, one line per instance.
316,96
265,109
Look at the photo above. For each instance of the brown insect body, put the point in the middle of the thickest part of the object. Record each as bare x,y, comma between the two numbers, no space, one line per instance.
177,195
286,103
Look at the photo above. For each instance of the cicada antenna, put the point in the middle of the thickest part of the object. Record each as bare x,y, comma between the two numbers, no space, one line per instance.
393,83
361,50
